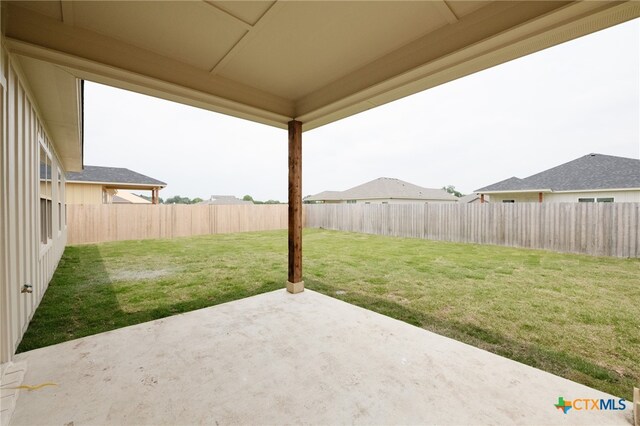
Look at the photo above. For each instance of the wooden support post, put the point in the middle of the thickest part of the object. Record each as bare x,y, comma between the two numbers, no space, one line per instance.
481,198
539,197
295,283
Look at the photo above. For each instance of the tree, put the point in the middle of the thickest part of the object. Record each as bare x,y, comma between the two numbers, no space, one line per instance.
248,198
452,190
196,200
178,200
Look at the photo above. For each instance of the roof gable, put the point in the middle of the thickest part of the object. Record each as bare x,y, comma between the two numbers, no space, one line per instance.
224,200
385,188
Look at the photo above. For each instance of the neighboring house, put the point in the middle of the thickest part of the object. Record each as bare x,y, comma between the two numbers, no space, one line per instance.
473,198
99,185
592,178
123,197
384,191
223,200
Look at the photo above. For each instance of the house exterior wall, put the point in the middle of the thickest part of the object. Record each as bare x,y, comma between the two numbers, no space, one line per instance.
568,197
84,193
572,197
24,259
529,197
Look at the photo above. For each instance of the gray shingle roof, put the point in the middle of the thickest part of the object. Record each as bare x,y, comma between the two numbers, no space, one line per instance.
470,198
383,188
222,200
593,171
113,175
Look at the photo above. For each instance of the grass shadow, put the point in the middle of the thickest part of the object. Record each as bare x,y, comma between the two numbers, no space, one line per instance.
85,298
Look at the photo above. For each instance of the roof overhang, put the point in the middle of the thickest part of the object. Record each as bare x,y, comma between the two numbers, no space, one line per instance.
598,190
58,99
316,62
525,191
516,191
117,185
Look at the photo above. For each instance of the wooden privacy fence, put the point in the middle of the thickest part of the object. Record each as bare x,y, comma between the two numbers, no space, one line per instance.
600,229
115,222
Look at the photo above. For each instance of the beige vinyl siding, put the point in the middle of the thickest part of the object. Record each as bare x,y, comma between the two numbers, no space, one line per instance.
23,258
84,193
572,197
567,197
526,197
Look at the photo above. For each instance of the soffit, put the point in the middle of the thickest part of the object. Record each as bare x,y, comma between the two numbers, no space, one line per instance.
307,45
58,99
275,61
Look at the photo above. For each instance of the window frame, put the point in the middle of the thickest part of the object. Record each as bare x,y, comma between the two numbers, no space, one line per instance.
60,189
45,197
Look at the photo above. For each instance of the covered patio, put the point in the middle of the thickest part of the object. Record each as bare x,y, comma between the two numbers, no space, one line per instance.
292,65
275,359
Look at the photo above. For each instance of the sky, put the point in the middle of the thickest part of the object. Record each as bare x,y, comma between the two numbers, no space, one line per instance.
515,119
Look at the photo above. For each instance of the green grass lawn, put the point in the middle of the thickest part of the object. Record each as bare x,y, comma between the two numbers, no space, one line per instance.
572,315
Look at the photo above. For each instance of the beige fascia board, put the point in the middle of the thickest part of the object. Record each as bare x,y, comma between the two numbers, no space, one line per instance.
385,80
518,191
548,191
117,185
116,77
109,61
597,190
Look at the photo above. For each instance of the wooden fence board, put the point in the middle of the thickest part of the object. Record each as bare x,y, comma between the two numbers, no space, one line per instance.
117,222
599,229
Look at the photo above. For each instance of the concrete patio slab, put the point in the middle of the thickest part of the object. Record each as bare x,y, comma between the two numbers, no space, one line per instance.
279,358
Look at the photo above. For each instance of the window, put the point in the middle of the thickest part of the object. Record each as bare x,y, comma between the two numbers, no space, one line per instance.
508,201
605,200
46,223
59,181
385,202
351,201
585,200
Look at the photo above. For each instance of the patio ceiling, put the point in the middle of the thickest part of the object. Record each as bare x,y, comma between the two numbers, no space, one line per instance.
271,62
